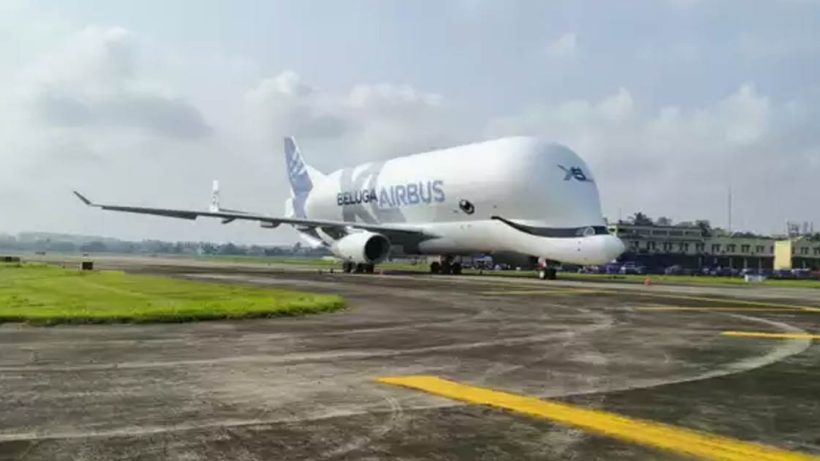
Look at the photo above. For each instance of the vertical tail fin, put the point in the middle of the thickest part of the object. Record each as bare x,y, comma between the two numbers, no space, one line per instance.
300,175
300,182
214,197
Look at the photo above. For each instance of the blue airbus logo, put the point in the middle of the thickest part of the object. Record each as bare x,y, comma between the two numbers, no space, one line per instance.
400,195
574,172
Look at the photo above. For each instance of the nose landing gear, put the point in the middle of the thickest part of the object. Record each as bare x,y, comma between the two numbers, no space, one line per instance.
446,265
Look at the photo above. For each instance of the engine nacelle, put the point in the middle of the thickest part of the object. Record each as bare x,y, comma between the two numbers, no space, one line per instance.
362,247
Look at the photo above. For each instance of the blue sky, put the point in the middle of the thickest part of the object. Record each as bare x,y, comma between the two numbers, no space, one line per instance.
668,101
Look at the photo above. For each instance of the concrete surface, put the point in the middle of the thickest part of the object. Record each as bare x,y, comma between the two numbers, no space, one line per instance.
303,388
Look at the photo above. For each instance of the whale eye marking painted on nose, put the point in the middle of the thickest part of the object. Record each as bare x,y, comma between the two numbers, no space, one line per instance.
574,172
466,206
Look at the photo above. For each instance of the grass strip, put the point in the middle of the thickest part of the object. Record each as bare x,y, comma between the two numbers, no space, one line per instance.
42,294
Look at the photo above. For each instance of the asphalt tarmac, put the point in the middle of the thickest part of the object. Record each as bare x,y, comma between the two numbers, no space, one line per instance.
734,364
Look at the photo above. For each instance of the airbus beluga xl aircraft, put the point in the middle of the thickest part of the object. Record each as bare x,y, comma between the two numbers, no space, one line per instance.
518,195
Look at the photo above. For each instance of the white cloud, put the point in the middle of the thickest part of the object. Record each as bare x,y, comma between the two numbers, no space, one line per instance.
93,79
95,60
367,122
676,162
563,46
150,116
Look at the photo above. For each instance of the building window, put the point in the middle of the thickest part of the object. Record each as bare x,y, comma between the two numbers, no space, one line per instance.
771,249
745,248
667,247
804,250
650,245
817,251
699,247
760,249
715,248
676,233
635,244
730,248
684,247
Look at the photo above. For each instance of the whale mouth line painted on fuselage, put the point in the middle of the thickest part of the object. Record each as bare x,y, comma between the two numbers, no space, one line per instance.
555,232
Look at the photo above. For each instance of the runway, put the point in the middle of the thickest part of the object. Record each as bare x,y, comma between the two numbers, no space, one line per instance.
738,363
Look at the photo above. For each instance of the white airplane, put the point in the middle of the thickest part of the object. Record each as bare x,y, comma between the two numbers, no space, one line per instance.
518,195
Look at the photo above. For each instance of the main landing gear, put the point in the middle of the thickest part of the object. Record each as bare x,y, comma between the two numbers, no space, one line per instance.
446,266
358,268
547,270
547,273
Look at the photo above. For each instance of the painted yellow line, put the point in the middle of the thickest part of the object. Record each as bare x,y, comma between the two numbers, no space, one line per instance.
757,334
725,300
568,290
655,295
719,309
652,434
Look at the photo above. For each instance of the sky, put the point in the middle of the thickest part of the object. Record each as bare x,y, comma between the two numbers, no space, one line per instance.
670,102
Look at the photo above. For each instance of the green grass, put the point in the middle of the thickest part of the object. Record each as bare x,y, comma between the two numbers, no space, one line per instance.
43,294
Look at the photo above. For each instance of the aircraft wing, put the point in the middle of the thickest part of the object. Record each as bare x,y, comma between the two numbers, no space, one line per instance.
389,230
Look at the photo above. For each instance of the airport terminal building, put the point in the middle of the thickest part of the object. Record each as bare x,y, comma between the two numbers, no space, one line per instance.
697,247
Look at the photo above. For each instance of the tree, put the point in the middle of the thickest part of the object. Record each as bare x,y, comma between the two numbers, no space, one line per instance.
93,247
705,227
663,221
231,249
640,219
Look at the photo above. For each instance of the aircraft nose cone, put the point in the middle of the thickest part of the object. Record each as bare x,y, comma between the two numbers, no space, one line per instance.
613,247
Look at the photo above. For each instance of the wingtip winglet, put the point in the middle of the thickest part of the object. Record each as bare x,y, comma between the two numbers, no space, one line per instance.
83,198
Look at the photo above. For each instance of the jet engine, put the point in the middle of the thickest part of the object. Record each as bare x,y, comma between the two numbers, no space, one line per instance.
362,247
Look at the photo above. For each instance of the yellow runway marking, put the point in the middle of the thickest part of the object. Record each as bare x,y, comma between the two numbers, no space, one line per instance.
756,334
652,434
655,295
733,301
719,309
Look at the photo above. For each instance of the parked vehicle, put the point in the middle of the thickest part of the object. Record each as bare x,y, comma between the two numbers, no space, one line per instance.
801,273
589,270
723,272
612,269
628,269
783,274
677,270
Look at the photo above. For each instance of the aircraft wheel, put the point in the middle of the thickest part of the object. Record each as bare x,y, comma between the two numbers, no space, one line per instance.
548,273
446,269
370,268
435,267
347,267
456,269
360,268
